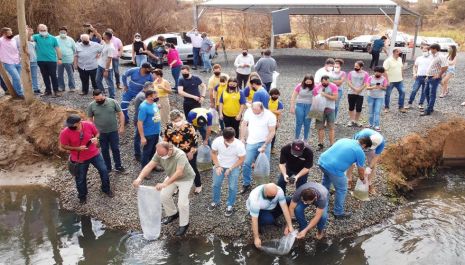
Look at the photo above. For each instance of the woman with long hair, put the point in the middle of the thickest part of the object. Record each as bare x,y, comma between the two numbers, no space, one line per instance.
138,51
174,62
452,61
163,88
232,105
301,102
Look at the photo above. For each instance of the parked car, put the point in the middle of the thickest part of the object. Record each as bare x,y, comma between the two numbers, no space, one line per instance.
183,45
445,43
334,42
362,42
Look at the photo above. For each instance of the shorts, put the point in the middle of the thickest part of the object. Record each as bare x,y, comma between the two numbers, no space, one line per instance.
450,70
355,102
329,116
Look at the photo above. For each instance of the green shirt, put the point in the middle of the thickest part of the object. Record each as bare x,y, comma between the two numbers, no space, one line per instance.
68,49
105,115
45,48
178,158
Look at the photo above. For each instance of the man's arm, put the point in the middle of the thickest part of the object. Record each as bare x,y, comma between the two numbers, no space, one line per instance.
282,168
121,121
256,236
140,129
58,50
243,132
179,171
287,217
269,137
182,93
304,171
312,223
144,173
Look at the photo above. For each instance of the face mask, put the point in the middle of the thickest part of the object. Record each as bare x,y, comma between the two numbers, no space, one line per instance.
178,124
356,69
217,73
43,33
244,54
100,102
259,115
63,35
274,98
324,85
426,54
165,157
269,198
308,85
137,39
155,100
185,76
377,76
330,69
73,128
10,37
337,70
231,88
85,42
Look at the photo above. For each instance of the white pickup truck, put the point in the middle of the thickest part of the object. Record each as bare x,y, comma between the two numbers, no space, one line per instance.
334,42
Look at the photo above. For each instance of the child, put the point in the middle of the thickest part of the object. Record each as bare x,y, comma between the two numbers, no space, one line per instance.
377,84
357,81
275,106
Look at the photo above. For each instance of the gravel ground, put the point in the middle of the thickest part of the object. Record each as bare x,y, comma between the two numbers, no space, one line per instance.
121,211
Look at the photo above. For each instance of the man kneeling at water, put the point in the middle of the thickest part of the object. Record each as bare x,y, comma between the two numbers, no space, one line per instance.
262,204
180,176
310,193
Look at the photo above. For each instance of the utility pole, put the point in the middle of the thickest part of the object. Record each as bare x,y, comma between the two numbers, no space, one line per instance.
25,63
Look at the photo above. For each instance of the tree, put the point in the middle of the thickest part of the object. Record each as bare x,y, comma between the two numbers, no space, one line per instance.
25,65
457,9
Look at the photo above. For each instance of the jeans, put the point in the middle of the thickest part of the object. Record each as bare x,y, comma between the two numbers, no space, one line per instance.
175,72
340,92
49,75
81,179
61,76
137,152
374,110
420,83
400,89
140,59
126,100
14,70
196,54
35,77
302,119
374,58
282,183
207,63
84,75
299,213
250,157
340,185
115,65
430,93
193,163
232,186
107,141
148,150
109,80
268,217
3,85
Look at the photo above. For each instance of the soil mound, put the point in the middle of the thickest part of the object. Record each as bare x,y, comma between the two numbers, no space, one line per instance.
29,132
418,155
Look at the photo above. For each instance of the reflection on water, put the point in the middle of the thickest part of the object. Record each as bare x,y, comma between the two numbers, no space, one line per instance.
428,230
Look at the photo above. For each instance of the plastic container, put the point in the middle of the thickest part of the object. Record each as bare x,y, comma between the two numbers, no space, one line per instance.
280,247
261,171
361,191
149,205
204,158
318,107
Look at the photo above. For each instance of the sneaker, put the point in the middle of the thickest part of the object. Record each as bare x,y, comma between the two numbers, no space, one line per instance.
368,126
83,200
342,216
245,189
182,230
72,90
421,106
409,106
198,190
350,124
229,211
120,169
110,194
137,158
377,129
212,207
356,124
402,110
320,147
463,104
82,94
46,94
386,110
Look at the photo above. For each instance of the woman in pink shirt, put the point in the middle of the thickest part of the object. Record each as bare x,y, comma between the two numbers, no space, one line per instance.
174,62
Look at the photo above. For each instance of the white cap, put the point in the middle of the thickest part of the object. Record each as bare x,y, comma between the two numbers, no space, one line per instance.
376,140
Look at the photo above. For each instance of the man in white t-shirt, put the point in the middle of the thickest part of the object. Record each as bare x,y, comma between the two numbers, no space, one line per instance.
196,40
419,73
259,127
228,154
104,69
326,70
243,64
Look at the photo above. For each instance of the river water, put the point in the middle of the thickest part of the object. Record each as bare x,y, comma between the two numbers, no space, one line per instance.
428,230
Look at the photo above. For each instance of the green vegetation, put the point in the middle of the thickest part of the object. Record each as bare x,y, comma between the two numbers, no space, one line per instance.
457,34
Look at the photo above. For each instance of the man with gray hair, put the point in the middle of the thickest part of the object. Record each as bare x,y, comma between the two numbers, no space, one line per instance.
258,127
85,60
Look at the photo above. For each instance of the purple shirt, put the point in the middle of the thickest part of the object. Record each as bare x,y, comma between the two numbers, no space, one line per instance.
9,53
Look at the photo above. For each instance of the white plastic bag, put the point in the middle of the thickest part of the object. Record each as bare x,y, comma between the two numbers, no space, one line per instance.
215,120
282,246
148,202
261,171
318,107
361,191
275,80
204,158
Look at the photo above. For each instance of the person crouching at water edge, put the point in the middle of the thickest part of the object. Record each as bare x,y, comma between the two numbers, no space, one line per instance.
261,205
335,161
372,155
180,175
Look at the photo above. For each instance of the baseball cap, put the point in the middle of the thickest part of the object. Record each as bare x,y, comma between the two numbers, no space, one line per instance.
72,119
376,140
297,147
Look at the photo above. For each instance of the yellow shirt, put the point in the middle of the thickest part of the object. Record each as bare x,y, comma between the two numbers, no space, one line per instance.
159,88
251,93
393,69
214,81
232,103
274,105
219,92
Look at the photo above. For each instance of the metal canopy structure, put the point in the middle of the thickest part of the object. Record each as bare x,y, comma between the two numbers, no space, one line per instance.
316,8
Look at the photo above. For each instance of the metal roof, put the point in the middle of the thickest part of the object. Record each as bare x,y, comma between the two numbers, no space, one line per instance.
311,7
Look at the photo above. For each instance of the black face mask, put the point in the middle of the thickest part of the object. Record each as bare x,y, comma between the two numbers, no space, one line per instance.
232,88
274,98
244,54
10,37
100,102
325,85
357,69
155,100
217,73
185,76
85,42
73,128
377,76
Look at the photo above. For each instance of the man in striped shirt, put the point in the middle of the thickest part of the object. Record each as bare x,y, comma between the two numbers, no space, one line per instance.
434,74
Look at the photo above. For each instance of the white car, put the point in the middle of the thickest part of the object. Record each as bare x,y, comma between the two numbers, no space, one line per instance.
334,42
182,44
445,43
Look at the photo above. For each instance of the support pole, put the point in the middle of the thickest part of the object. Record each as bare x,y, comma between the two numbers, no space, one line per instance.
272,36
394,30
25,62
417,28
196,15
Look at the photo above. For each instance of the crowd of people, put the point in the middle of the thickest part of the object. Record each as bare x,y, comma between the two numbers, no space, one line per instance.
245,107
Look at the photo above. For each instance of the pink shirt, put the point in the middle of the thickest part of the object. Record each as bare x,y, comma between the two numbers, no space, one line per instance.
173,55
72,138
9,52
117,44
331,86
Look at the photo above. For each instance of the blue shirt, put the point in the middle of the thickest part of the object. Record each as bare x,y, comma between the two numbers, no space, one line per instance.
45,48
367,133
191,86
339,157
378,45
262,96
149,115
137,80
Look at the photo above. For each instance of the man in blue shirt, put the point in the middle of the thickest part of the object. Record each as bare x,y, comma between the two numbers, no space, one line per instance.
372,154
202,119
260,93
138,76
148,125
335,161
376,48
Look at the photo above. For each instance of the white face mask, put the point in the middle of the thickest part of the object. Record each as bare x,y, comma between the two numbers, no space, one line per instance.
43,33
137,39
63,35
177,124
165,157
426,54
330,69
337,70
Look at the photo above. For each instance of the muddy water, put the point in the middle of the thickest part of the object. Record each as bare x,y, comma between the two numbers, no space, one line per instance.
428,230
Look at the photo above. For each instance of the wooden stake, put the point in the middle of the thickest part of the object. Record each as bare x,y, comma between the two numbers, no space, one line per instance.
25,62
